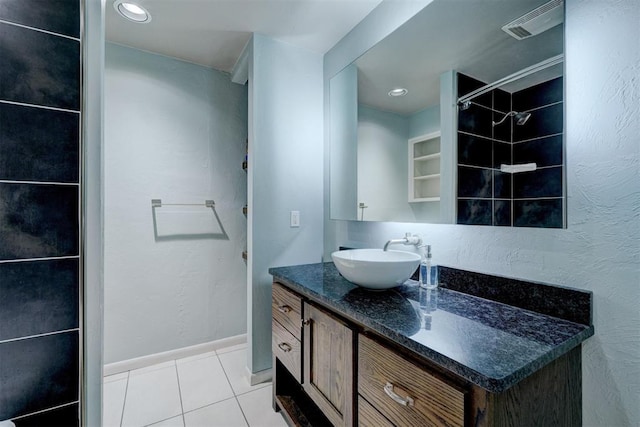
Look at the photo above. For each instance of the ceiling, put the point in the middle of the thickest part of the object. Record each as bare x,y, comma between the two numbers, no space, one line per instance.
461,35
214,32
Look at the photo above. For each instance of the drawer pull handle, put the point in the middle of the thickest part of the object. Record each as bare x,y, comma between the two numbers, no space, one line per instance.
284,309
404,401
306,322
284,347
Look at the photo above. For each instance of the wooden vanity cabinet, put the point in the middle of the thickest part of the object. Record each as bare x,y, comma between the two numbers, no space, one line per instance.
286,309
328,364
325,371
330,371
404,393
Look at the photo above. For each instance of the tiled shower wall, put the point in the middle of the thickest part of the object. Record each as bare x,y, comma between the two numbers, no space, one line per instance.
40,294
487,196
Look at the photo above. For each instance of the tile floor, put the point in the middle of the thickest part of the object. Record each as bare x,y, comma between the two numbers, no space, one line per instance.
207,390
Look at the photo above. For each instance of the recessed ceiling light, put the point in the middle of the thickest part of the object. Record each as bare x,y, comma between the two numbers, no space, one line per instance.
132,11
398,92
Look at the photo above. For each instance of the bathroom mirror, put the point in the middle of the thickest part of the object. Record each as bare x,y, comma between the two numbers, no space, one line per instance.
423,156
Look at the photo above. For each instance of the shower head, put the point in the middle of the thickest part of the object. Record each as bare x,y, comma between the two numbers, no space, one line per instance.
521,118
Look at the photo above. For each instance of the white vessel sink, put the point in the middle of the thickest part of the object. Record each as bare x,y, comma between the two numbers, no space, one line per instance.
375,268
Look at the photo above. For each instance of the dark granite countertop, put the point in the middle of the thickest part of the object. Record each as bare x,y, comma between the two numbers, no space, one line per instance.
491,344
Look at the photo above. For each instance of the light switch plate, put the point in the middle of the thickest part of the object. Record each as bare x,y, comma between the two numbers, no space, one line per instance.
295,219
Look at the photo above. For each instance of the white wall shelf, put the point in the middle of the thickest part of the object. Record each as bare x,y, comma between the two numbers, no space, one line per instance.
424,168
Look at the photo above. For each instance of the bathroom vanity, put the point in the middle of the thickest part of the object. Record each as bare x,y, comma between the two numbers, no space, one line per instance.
479,351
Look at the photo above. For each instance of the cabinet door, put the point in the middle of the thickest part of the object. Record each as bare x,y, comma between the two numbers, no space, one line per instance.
328,365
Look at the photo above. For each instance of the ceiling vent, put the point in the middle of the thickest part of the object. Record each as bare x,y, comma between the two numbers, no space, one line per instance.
537,21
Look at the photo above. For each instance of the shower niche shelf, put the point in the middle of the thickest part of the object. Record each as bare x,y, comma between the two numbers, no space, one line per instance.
424,168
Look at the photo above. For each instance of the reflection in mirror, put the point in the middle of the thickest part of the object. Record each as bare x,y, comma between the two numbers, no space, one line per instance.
425,157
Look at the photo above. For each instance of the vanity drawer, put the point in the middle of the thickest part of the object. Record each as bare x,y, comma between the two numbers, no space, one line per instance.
369,416
287,309
404,393
287,349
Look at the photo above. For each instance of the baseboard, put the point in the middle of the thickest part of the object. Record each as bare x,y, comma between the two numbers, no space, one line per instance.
166,356
258,377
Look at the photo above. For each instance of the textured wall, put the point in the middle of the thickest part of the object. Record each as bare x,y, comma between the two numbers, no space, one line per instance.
424,121
174,131
600,249
285,174
40,196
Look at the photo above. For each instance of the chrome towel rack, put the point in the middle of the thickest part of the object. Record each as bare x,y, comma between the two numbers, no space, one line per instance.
157,203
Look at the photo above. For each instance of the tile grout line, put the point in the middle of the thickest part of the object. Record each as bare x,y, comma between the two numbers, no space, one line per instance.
42,411
190,411
175,364
183,413
45,334
55,258
56,183
241,410
235,396
124,402
44,107
40,30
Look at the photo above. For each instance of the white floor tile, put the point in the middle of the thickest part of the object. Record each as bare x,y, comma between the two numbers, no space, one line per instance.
202,382
171,363
113,394
195,357
115,377
258,411
232,348
152,396
222,414
234,364
171,422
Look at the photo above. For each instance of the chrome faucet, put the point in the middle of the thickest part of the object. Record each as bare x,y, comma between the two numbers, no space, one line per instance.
408,239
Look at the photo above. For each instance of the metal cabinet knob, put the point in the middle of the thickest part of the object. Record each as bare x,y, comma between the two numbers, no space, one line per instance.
284,347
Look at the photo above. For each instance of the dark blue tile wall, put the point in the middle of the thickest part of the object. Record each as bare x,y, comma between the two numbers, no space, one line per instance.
546,93
476,120
502,132
546,213
467,84
38,144
67,416
502,212
57,16
474,211
38,221
544,151
539,140
501,101
544,121
474,182
39,212
540,183
39,68
38,297
38,373
501,154
474,150
501,185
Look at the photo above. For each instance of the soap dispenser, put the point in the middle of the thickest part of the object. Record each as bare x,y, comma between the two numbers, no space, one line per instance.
428,272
